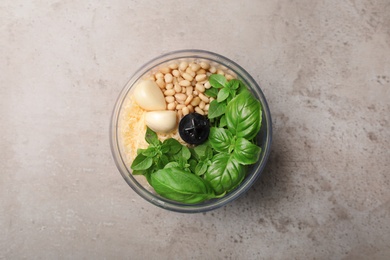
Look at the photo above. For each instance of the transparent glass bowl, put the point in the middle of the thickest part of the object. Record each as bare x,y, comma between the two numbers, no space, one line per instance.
139,183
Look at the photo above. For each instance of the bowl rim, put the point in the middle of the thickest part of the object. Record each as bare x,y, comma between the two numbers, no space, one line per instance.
167,204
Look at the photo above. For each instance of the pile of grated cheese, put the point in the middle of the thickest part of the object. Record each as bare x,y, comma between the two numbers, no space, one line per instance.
132,129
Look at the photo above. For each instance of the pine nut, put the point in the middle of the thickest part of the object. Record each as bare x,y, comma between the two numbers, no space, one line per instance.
199,110
189,90
190,71
180,96
159,75
195,101
184,83
195,67
187,76
160,82
177,88
169,92
171,106
207,85
213,69
190,108
165,70
205,65
201,71
170,99
229,77
180,106
186,111
189,99
206,107
175,73
220,72
202,104
200,77
169,86
199,87
183,65
204,98
173,66
168,78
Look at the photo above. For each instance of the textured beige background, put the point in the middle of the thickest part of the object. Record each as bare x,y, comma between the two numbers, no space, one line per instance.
323,65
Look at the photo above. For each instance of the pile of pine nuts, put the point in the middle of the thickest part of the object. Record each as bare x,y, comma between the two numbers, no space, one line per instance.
184,83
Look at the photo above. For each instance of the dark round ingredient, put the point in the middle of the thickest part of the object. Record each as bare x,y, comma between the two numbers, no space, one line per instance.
194,128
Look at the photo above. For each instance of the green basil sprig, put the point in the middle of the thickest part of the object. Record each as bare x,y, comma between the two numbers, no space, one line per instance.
223,91
157,155
173,170
232,137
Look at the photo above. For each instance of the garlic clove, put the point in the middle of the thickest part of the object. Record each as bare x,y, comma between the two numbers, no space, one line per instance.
148,96
161,121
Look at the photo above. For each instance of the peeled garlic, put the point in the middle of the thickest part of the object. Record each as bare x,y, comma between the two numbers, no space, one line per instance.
148,96
161,121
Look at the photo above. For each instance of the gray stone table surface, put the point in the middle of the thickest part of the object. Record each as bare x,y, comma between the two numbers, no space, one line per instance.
324,67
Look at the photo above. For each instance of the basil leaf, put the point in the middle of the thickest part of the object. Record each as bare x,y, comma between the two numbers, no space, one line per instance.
150,152
223,94
216,109
233,84
201,168
243,116
182,186
172,165
151,137
182,158
224,173
142,172
217,80
211,92
209,153
185,153
171,145
193,163
162,161
163,149
245,152
199,151
220,139
141,162
182,163
222,121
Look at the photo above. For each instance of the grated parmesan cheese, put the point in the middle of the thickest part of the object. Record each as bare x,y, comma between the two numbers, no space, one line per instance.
132,129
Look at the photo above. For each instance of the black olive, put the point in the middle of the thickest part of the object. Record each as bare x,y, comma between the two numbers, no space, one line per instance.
194,128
